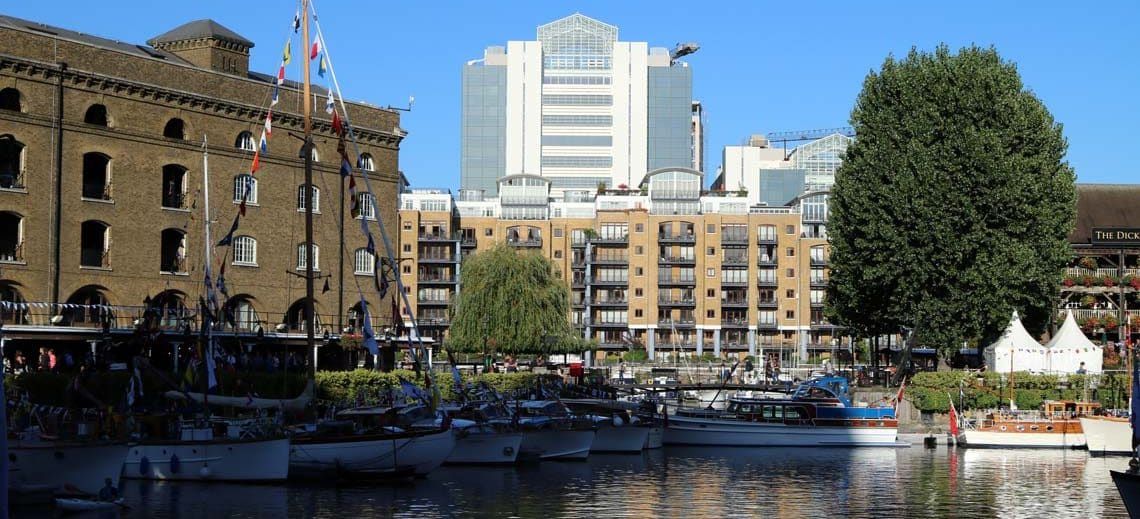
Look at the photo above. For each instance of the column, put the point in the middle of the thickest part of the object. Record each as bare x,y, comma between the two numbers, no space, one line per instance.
651,339
752,342
700,335
716,343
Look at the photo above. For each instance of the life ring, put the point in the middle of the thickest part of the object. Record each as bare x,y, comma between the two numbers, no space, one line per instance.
1003,427
175,464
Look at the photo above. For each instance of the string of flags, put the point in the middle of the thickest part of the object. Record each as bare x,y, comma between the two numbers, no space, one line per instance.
102,309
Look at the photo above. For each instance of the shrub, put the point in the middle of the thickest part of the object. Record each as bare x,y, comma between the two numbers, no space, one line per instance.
637,355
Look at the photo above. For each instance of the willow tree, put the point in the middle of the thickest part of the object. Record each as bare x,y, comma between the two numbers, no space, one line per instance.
512,302
953,205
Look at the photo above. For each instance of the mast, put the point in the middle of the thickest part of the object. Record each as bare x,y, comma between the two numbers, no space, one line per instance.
207,259
308,153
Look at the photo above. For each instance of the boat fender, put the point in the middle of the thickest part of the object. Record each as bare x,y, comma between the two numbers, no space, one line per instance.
508,450
144,466
204,472
175,464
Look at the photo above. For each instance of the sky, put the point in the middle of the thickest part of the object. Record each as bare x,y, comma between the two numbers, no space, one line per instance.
762,66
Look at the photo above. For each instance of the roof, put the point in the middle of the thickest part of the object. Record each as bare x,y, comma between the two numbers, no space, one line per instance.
1104,205
19,24
198,29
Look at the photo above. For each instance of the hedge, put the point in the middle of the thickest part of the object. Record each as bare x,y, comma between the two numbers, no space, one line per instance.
928,391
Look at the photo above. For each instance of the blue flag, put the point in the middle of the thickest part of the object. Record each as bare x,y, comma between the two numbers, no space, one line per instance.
414,391
369,335
229,238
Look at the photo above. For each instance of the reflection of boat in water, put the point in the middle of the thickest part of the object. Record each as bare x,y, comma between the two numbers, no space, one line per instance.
817,414
1056,427
1107,435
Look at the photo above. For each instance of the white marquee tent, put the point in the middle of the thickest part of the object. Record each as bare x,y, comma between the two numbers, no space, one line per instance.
1069,348
1016,349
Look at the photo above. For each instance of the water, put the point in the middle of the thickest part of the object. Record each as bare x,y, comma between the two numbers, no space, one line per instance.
690,482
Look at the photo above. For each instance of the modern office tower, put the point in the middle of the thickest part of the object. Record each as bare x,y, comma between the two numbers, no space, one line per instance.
576,107
697,131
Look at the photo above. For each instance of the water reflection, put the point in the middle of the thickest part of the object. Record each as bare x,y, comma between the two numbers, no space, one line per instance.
692,482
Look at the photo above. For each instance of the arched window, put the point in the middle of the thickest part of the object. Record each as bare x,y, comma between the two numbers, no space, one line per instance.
295,317
92,306
173,256
364,262
244,141
301,256
240,314
365,163
11,237
96,176
175,129
10,100
11,162
170,305
174,186
316,198
245,251
97,115
95,244
355,321
365,206
301,153
245,186
13,309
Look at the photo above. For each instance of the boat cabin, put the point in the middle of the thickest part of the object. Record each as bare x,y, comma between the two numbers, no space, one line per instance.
1069,408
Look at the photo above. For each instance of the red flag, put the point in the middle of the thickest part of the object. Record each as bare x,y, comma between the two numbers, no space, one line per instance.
281,75
899,397
953,418
316,49
337,127
256,162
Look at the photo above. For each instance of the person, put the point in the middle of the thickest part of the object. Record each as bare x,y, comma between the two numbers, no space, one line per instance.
42,365
108,492
1081,369
52,360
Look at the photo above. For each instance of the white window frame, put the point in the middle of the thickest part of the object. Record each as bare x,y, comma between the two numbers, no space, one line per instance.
366,162
371,206
240,184
365,259
301,199
243,257
246,142
301,257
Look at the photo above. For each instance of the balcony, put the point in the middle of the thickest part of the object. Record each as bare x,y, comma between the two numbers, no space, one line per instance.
766,262
432,322
432,302
767,303
610,240
766,325
608,301
606,324
733,346
686,324
525,243
734,302
766,238
578,283
612,259
735,261
1082,314
578,244
428,279
819,262
468,242
734,282
766,281
734,238
676,238
734,322
664,300
435,236
678,281
436,258
609,282
676,260
818,282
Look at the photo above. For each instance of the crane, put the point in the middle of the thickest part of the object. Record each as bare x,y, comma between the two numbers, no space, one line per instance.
807,135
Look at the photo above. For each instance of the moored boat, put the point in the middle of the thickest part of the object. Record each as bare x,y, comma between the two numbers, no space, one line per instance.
817,414
1128,484
1057,427
1107,435
74,465
210,451
75,504
549,431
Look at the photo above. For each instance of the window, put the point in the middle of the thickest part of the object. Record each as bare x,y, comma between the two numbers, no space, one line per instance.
301,153
710,273
244,141
97,115
766,233
638,313
10,100
558,232
790,252
791,273
364,262
639,250
11,163
175,129
94,244
710,292
640,227
11,237
316,198
365,163
245,251
790,293
638,271
301,257
711,314
96,176
173,252
407,247
245,187
557,254
790,229
710,228
173,186
711,251
365,206
407,269
790,314
488,232
407,226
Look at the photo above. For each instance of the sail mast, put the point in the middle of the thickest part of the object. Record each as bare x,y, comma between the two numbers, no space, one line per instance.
308,153
208,258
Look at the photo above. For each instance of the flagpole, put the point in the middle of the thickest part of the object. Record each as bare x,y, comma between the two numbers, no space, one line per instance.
206,262
308,153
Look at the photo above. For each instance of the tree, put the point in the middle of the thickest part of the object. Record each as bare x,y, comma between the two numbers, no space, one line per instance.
953,205
512,302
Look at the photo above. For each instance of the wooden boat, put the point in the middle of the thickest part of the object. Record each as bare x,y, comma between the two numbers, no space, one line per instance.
1107,435
1057,426
72,464
219,450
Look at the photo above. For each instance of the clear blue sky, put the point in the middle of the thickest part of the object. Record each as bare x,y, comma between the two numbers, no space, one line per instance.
762,66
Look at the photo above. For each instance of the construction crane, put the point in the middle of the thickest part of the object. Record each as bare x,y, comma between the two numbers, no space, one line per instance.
682,49
806,135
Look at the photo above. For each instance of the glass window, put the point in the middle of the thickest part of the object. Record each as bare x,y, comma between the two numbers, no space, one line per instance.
245,186
366,162
301,257
316,199
365,206
710,228
245,251
364,262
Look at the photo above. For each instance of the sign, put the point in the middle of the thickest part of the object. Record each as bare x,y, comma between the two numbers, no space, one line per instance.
1115,236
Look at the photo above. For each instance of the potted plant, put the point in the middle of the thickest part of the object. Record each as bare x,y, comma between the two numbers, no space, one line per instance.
1110,322
1088,262
1087,301
1089,324
1088,280
601,188
1132,281
1069,281
1108,281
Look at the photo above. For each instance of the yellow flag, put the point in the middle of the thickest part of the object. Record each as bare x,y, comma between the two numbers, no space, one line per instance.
288,54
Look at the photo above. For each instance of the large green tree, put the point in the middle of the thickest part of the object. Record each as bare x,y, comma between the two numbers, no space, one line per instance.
512,301
953,205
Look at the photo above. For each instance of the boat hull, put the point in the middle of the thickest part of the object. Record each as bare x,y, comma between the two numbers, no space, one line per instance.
1020,440
407,454
212,460
1128,485
71,465
550,444
655,440
1107,436
696,431
485,448
620,439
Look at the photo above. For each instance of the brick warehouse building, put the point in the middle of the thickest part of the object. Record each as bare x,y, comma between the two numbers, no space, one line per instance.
101,181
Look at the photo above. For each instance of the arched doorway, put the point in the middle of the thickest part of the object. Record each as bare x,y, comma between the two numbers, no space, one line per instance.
295,317
239,314
89,306
13,308
170,305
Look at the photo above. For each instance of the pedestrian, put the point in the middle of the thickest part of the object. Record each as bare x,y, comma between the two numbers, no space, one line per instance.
44,360
1081,369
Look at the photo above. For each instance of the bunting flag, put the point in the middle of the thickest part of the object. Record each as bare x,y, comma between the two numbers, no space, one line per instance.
354,203
326,287
269,124
241,206
263,144
229,238
280,79
288,53
953,418
222,276
276,88
337,126
316,48
297,21
190,376
455,377
321,66
211,377
330,105
369,336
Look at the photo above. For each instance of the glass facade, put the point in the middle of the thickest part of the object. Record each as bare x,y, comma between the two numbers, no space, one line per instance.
577,42
670,117
483,135
779,186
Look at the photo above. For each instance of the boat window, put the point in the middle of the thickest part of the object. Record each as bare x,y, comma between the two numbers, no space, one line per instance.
745,408
774,412
795,413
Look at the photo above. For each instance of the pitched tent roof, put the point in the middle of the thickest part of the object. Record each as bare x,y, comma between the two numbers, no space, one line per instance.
198,29
1070,347
1015,349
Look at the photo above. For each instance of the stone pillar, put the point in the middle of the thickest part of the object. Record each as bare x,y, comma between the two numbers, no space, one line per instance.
700,334
651,338
752,342
716,343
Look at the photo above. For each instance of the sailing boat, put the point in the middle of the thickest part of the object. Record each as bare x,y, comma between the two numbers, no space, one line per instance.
209,449
373,442
1128,482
